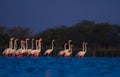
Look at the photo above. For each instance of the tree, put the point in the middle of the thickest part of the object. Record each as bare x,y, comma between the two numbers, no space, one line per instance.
19,32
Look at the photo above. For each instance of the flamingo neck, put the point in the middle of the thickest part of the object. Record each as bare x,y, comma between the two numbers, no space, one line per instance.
39,46
11,44
69,45
36,45
15,44
71,49
23,45
65,47
26,44
52,45
85,47
32,44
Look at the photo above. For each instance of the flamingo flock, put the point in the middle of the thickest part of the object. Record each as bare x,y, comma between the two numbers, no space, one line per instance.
24,49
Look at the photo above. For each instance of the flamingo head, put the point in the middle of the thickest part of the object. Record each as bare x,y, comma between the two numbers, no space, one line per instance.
69,40
12,38
27,39
65,43
40,39
83,42
53,40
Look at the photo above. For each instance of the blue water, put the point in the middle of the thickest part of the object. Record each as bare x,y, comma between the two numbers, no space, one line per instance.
59,67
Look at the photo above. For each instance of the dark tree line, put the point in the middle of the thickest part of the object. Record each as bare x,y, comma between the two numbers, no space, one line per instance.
102,38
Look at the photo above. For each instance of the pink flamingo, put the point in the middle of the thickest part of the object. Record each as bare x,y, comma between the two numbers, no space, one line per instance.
84,50
47,52
24,50
20,49
28,50
36,52
67,50
12,52
62,51
70,52
7,50
33,50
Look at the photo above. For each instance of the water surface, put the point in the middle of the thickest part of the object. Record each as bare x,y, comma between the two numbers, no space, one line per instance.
59,67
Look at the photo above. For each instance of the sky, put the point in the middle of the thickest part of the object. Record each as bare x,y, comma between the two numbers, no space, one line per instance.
40,15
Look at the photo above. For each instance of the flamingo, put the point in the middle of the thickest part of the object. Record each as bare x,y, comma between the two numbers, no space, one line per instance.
28,50
24,50
37,51
20,49
67,50
34,50
39,43
12,52
70,52
62,51
84,50
7,50
79,53
47,52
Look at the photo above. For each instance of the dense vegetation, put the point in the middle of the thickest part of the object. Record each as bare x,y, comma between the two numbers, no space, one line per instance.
103,39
